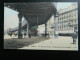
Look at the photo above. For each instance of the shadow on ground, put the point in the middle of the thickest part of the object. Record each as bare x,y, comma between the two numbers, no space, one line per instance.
17,38
16,43
72,43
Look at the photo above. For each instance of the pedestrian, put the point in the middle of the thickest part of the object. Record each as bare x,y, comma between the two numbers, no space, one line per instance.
77,34
15,34
24,34
10,34
74,36
29,34
48,35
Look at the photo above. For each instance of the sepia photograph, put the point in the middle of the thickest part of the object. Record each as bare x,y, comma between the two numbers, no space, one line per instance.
41,26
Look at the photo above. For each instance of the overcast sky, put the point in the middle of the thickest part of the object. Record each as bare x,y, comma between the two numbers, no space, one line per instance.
11,18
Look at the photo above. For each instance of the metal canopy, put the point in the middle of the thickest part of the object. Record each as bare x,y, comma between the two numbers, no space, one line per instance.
35,13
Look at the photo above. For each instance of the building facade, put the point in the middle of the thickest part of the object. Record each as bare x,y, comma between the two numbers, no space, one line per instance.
68,19
50,27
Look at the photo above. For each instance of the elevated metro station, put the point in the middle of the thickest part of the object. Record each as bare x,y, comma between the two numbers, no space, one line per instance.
35,13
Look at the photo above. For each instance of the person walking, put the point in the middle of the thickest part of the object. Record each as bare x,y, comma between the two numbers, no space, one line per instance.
29,34
74,36
24,35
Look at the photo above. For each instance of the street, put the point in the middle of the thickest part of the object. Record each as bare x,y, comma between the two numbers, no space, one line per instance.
15,43
41,43
62,43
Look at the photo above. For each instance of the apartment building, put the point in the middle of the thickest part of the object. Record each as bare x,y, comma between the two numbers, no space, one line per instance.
68,19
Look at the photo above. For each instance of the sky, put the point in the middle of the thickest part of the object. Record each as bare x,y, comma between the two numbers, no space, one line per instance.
11,17
62,5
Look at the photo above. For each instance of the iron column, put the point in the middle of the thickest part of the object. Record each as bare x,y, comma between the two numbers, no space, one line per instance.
27,29
56,25
45,29
20,28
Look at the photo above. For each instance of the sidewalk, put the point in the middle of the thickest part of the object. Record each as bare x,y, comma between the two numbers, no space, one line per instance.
62,43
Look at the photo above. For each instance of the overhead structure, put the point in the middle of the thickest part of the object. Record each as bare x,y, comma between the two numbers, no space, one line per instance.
36,13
